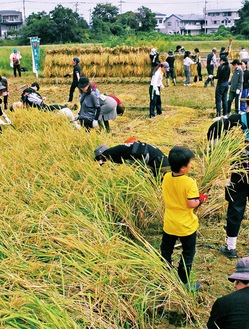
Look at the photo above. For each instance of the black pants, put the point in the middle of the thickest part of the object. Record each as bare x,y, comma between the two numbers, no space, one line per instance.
18,69
221,99
236,210
171,73
231,97
198,67
87,124
210,70
188,252
72,89
155,102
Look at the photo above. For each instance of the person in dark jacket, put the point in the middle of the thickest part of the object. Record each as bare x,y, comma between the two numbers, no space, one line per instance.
76,76
89,105
224,52
133,151
231,311
225,124
211,65
197,58
221,90
245,90
236,85
171,72
236,193
31,98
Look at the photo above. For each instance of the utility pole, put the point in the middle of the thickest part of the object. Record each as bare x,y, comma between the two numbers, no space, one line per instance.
24,14
120,6
90,16
205,16
76,7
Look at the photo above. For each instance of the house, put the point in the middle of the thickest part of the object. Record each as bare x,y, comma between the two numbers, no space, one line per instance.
160,19
10,20
214,18
191,24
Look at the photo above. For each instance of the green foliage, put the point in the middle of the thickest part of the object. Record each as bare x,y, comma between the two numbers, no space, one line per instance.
100,29
61,25
242,24
223,31
146,19
105,12
72,249
128,20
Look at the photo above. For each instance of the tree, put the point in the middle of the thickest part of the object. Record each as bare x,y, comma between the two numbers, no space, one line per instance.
38,24
242,24
100,29
105,12
61,25
146,19
128,20
68,24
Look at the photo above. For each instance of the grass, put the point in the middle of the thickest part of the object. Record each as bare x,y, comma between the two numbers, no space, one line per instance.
79,242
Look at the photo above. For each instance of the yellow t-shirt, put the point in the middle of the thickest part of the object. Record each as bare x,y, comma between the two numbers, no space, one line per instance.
179,220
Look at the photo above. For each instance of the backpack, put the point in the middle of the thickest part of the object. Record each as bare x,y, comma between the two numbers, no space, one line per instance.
209,58
140,150
245,125
16,61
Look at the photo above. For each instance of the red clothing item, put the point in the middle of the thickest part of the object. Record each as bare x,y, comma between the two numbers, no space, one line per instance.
116,99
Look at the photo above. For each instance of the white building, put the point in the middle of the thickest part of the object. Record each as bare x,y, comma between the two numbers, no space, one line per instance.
10,20
160,19
184,24
193,24
218,17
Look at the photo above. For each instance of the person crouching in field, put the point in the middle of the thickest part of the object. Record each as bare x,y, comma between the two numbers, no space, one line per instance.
110,105
31,98
134,151
156,85
89,105
4,91
2,114
109,110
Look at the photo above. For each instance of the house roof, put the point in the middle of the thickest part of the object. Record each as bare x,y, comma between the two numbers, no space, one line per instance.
9,12
159,14
188,17
221,10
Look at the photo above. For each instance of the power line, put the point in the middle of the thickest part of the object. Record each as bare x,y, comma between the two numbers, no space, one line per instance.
118,2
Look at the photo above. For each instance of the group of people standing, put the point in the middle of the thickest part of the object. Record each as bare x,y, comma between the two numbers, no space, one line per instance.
224,96
167,69
239,82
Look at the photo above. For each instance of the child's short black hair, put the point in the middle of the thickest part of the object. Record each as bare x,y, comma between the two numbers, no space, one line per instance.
179,157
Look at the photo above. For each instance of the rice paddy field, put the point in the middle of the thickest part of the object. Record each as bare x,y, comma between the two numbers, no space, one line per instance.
79,242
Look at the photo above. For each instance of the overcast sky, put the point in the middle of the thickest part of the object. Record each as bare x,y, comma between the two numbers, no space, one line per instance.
85,7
